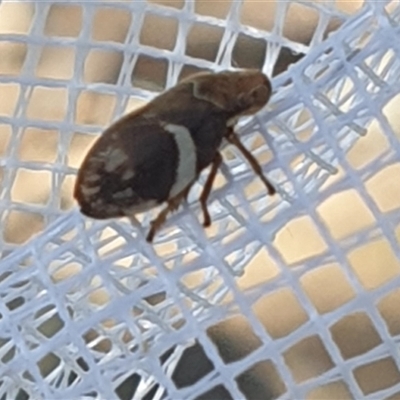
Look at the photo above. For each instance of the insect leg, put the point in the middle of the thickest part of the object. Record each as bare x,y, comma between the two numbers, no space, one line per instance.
207,188
232,138
172,204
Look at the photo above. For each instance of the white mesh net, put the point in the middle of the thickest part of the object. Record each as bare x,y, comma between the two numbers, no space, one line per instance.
291,296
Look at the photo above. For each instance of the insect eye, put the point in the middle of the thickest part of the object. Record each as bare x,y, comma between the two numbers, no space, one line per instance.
260,95
257,92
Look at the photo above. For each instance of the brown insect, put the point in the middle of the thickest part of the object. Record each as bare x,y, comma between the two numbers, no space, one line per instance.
155,154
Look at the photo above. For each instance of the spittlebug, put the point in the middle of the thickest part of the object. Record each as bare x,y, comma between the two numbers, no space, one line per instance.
155,154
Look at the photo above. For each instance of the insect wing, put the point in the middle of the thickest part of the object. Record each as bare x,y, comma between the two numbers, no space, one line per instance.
130,167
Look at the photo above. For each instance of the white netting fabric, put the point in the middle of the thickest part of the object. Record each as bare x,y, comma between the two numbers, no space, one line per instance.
295,296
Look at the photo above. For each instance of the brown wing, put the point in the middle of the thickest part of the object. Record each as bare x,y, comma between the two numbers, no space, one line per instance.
130,168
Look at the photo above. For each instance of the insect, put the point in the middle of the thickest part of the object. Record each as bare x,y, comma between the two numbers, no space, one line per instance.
154,154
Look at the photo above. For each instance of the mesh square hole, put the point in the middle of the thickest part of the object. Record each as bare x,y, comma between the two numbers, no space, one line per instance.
150,73
49,363
345,214
164,37
64,20
48,321
31,186
249,52
300,23
110,62
308,359
383,187
94,108
374,263
377,375
16,17
261,381
368,148
38,145
10,93
203,41
56,63
299,240
192,366
215,9
280,312
259,270
110,24
20,226
348,331
388,307
327,287
234,338
47,104
285,58
258,15
13,57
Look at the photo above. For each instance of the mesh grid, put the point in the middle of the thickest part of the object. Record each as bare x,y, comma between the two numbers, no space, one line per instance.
280,298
